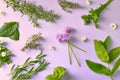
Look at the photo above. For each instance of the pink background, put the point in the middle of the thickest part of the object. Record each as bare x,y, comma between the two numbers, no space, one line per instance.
59,57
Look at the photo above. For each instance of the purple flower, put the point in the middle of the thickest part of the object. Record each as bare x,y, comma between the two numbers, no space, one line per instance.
68,30
63,37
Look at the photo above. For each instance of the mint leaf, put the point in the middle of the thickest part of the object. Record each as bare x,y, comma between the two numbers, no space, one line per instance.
101,52
116,66
106,42
114,53
10,29
98,68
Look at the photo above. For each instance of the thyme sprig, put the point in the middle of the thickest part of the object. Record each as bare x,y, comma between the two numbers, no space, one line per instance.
5,54
32,42
66,5
29,68
32,11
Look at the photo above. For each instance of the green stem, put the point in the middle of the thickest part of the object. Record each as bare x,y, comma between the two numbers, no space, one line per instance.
77,47
74,54
69,57
110,75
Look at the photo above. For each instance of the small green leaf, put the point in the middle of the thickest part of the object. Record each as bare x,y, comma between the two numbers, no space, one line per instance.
58,73
98,68
116,66
10,29
106,42
114,53
101,51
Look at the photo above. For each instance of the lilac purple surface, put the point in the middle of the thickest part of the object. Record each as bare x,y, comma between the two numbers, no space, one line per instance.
59,57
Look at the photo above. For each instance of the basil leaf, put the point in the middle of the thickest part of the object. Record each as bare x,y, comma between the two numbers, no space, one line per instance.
101,52
10,29
106,42
114,53
58,73
98,68
116,66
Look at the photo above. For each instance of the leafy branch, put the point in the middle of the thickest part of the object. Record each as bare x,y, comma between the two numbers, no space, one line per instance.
94,15
32,11
101,48
66,5
29,68
32,42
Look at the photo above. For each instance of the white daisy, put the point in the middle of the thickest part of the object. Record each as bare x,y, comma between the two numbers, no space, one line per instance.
113,26
3,54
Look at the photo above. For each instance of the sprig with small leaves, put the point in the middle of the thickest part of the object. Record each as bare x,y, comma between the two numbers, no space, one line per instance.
94,15
106,56
33,42
29,68
66,5
5,54
32,11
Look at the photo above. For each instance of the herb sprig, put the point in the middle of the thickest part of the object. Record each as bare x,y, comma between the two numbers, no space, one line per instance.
5,54
32,11
32,42
94,15
29,68
66,5
106,56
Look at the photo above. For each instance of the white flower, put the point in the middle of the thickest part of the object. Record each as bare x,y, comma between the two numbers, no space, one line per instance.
3,54
113,26
89,2
84,39
52,47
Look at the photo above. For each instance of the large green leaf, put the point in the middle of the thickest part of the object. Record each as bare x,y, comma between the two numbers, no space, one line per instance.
58,73
101,52
107,42
10,30
114,53
116,66
98,68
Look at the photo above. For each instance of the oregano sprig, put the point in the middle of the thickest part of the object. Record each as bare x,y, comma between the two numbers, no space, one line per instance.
33,42
106,56
29,68
5,54
94,15
33,12
66,5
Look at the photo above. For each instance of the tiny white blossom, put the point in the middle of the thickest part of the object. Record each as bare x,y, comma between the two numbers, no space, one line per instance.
84,39
3,54
52,47
113,26
89,2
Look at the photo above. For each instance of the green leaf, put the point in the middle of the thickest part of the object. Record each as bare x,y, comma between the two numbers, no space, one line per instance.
116,66
10,29
101,51
106,42
114,53
98,68
58,73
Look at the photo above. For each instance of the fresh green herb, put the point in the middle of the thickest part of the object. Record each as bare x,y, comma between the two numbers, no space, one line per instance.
32,42
5,54
65,5
10,29
101,48
29,68
95,14
58,74
32,11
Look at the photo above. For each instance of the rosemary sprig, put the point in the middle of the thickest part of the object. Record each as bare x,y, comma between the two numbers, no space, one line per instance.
32,11
66,5
29,68
32,42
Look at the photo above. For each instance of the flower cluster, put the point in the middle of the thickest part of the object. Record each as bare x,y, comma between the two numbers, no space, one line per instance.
66,37
5,54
